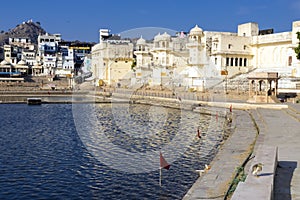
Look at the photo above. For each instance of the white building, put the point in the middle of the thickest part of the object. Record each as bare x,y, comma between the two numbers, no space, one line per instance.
203,55
47,50
49,64
25,43
65,61
251,48
112,59
29,56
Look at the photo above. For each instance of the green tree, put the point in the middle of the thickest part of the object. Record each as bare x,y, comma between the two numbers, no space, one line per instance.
297,49
133,65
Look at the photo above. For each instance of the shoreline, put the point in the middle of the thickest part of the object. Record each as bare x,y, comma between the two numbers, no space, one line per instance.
99,97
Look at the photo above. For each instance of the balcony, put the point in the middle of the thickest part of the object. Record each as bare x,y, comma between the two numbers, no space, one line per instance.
232,52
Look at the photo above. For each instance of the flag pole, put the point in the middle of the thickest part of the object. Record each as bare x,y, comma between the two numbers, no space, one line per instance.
160,176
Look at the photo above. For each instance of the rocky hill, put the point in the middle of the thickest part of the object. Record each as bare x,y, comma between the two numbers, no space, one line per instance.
27,29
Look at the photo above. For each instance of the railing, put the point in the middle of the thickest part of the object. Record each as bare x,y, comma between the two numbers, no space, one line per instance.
196,96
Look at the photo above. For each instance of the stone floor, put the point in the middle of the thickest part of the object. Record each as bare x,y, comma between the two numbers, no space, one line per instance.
282,129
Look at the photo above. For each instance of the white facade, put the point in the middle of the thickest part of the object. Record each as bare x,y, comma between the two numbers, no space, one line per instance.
158,62
111,61
65,61
47,50
49,64
29,57
247,50
208,53
21,42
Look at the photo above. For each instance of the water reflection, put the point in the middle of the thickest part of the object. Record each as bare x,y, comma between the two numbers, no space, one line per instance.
43,156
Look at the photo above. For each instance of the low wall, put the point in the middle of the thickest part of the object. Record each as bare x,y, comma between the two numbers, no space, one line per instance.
262,184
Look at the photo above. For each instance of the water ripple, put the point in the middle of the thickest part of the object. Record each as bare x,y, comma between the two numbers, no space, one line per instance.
42,156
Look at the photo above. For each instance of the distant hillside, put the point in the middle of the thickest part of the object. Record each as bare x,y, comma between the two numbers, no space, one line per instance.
27,29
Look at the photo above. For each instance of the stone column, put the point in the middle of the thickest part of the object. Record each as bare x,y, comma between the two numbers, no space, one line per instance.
276,87
250,87
255,87
267,89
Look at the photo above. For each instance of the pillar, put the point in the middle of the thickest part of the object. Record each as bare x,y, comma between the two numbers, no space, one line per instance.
276,87
250,88
267,89
255,87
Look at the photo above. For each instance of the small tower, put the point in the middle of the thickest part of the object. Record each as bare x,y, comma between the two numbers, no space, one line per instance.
196,34
197,59
196,47
141,44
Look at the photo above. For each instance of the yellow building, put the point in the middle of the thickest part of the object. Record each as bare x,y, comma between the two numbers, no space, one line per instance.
111,60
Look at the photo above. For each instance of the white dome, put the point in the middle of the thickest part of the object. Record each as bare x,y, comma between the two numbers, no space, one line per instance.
157,37
21,62
165,36
4,62
37,65
141,41
196,31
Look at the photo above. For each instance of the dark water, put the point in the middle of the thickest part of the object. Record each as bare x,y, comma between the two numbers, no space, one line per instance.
43,156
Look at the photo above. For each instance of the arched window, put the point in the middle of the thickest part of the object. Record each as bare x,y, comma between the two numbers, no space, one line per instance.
245,62
236,61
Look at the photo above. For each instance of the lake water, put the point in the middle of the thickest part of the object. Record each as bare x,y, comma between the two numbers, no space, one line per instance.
45,156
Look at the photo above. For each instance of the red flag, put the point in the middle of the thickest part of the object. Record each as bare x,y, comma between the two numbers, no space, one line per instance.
230,109
163,162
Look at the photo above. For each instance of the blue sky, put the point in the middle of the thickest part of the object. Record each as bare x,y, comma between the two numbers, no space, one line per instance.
82,19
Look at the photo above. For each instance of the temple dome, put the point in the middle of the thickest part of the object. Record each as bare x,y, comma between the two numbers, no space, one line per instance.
21,62
4,62
157,37
196,31
165,36
37,65
141,41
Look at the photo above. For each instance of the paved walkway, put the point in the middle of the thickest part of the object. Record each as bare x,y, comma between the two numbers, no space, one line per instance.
282,128
278,127
215,183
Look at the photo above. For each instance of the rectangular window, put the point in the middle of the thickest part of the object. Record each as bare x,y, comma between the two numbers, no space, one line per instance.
241,62
245,62
231,61
290,60
227,61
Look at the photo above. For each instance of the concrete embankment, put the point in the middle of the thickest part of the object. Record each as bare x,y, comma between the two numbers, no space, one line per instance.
214,184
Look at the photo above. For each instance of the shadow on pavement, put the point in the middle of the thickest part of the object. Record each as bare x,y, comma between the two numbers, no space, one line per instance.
266,174
283,178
